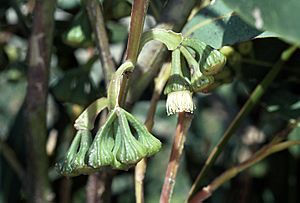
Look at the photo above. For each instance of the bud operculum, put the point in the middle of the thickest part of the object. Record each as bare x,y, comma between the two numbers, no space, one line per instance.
118,137
66,165
79,162
130,151
199,81
100,153
210,60
151,143
74,162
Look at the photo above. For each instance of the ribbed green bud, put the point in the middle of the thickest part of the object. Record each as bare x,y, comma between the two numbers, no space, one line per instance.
79,162
151,143
176,81
100,153
214,63
210,60
225,76
74,163
66,166
130,151
118,137
212,87
200,83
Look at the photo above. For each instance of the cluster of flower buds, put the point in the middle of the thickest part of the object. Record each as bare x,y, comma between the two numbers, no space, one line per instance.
120,143
196,67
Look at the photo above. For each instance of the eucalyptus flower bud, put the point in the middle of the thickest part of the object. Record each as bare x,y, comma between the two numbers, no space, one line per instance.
130,151
118,137
65,166
176,83
79,162
151,143
201,82
100,153
74,163
210,60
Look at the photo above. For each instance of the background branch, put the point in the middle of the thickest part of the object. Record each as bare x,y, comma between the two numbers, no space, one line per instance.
11,158
98,187
248,106
274,146
39,55
97,22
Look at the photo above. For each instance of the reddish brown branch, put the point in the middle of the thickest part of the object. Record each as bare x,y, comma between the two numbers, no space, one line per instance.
138,13
183,124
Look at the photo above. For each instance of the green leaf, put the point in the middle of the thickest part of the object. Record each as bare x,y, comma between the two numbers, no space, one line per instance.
68,4
79,33
116,31
76,86
217,25
295,135
13,91
283,102
281,17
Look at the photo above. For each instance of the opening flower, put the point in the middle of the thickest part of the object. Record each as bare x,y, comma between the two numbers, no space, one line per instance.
178,88
180,101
